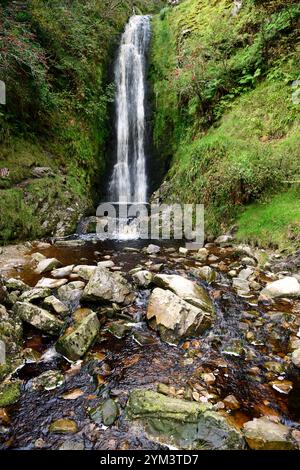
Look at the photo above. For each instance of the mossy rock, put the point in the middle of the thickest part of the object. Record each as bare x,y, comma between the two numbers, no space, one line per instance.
10,393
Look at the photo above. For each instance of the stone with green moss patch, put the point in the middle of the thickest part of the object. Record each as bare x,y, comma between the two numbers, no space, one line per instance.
10,393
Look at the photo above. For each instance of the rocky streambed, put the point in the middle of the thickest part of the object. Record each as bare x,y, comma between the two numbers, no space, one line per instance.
138,346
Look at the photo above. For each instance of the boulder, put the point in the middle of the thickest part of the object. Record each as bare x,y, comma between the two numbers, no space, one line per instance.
286,287
35,294
62,272
224,240
108,286
63,426
186,290
10,393
46,265
106,264
84,271
38,317
71,293
142,278
263,434
79,337
56,305
186,424
106,413
296,358
48,380
202,254
152,249
175,318
51,283
16,284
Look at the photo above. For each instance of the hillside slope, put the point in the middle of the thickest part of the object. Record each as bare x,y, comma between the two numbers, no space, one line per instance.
54,59
227,114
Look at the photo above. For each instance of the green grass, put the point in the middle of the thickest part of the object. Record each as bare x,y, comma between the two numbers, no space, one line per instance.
275,222
224,112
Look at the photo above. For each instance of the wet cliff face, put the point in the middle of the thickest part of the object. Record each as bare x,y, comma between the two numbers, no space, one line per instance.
55,126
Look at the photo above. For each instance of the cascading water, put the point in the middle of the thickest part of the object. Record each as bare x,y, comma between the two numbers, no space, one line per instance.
129,179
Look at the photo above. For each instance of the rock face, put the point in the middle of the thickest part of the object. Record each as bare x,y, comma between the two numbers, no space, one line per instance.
78,338
286,287
108,286
174,317
182,423
186,290
39,318
263,434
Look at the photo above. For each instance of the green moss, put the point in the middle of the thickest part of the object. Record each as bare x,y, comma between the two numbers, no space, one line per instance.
224,111
9,393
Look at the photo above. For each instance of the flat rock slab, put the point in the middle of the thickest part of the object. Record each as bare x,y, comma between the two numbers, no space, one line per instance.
187,424
263,434
286,287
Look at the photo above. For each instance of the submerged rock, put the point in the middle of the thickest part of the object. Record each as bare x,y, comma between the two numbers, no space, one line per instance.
182,423
263,434
39,318
108,286
78,338
286,287
57,306
106,413
186,290
63,426
175,318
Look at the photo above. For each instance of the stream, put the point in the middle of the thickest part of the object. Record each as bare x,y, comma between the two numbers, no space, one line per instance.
221,363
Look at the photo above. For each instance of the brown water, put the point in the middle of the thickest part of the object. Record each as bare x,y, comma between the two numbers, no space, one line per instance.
120,365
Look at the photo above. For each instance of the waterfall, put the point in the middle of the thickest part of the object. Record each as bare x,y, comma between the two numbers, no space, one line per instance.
129,179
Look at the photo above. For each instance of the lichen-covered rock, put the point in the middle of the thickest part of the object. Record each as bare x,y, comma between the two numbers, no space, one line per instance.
16,284
108,286
187,424
186,290
39,318
56,305
78,338
175,318
35,294
142,278
286,287
46,265
263,434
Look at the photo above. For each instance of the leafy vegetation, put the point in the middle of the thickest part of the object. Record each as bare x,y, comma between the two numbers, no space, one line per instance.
224,119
